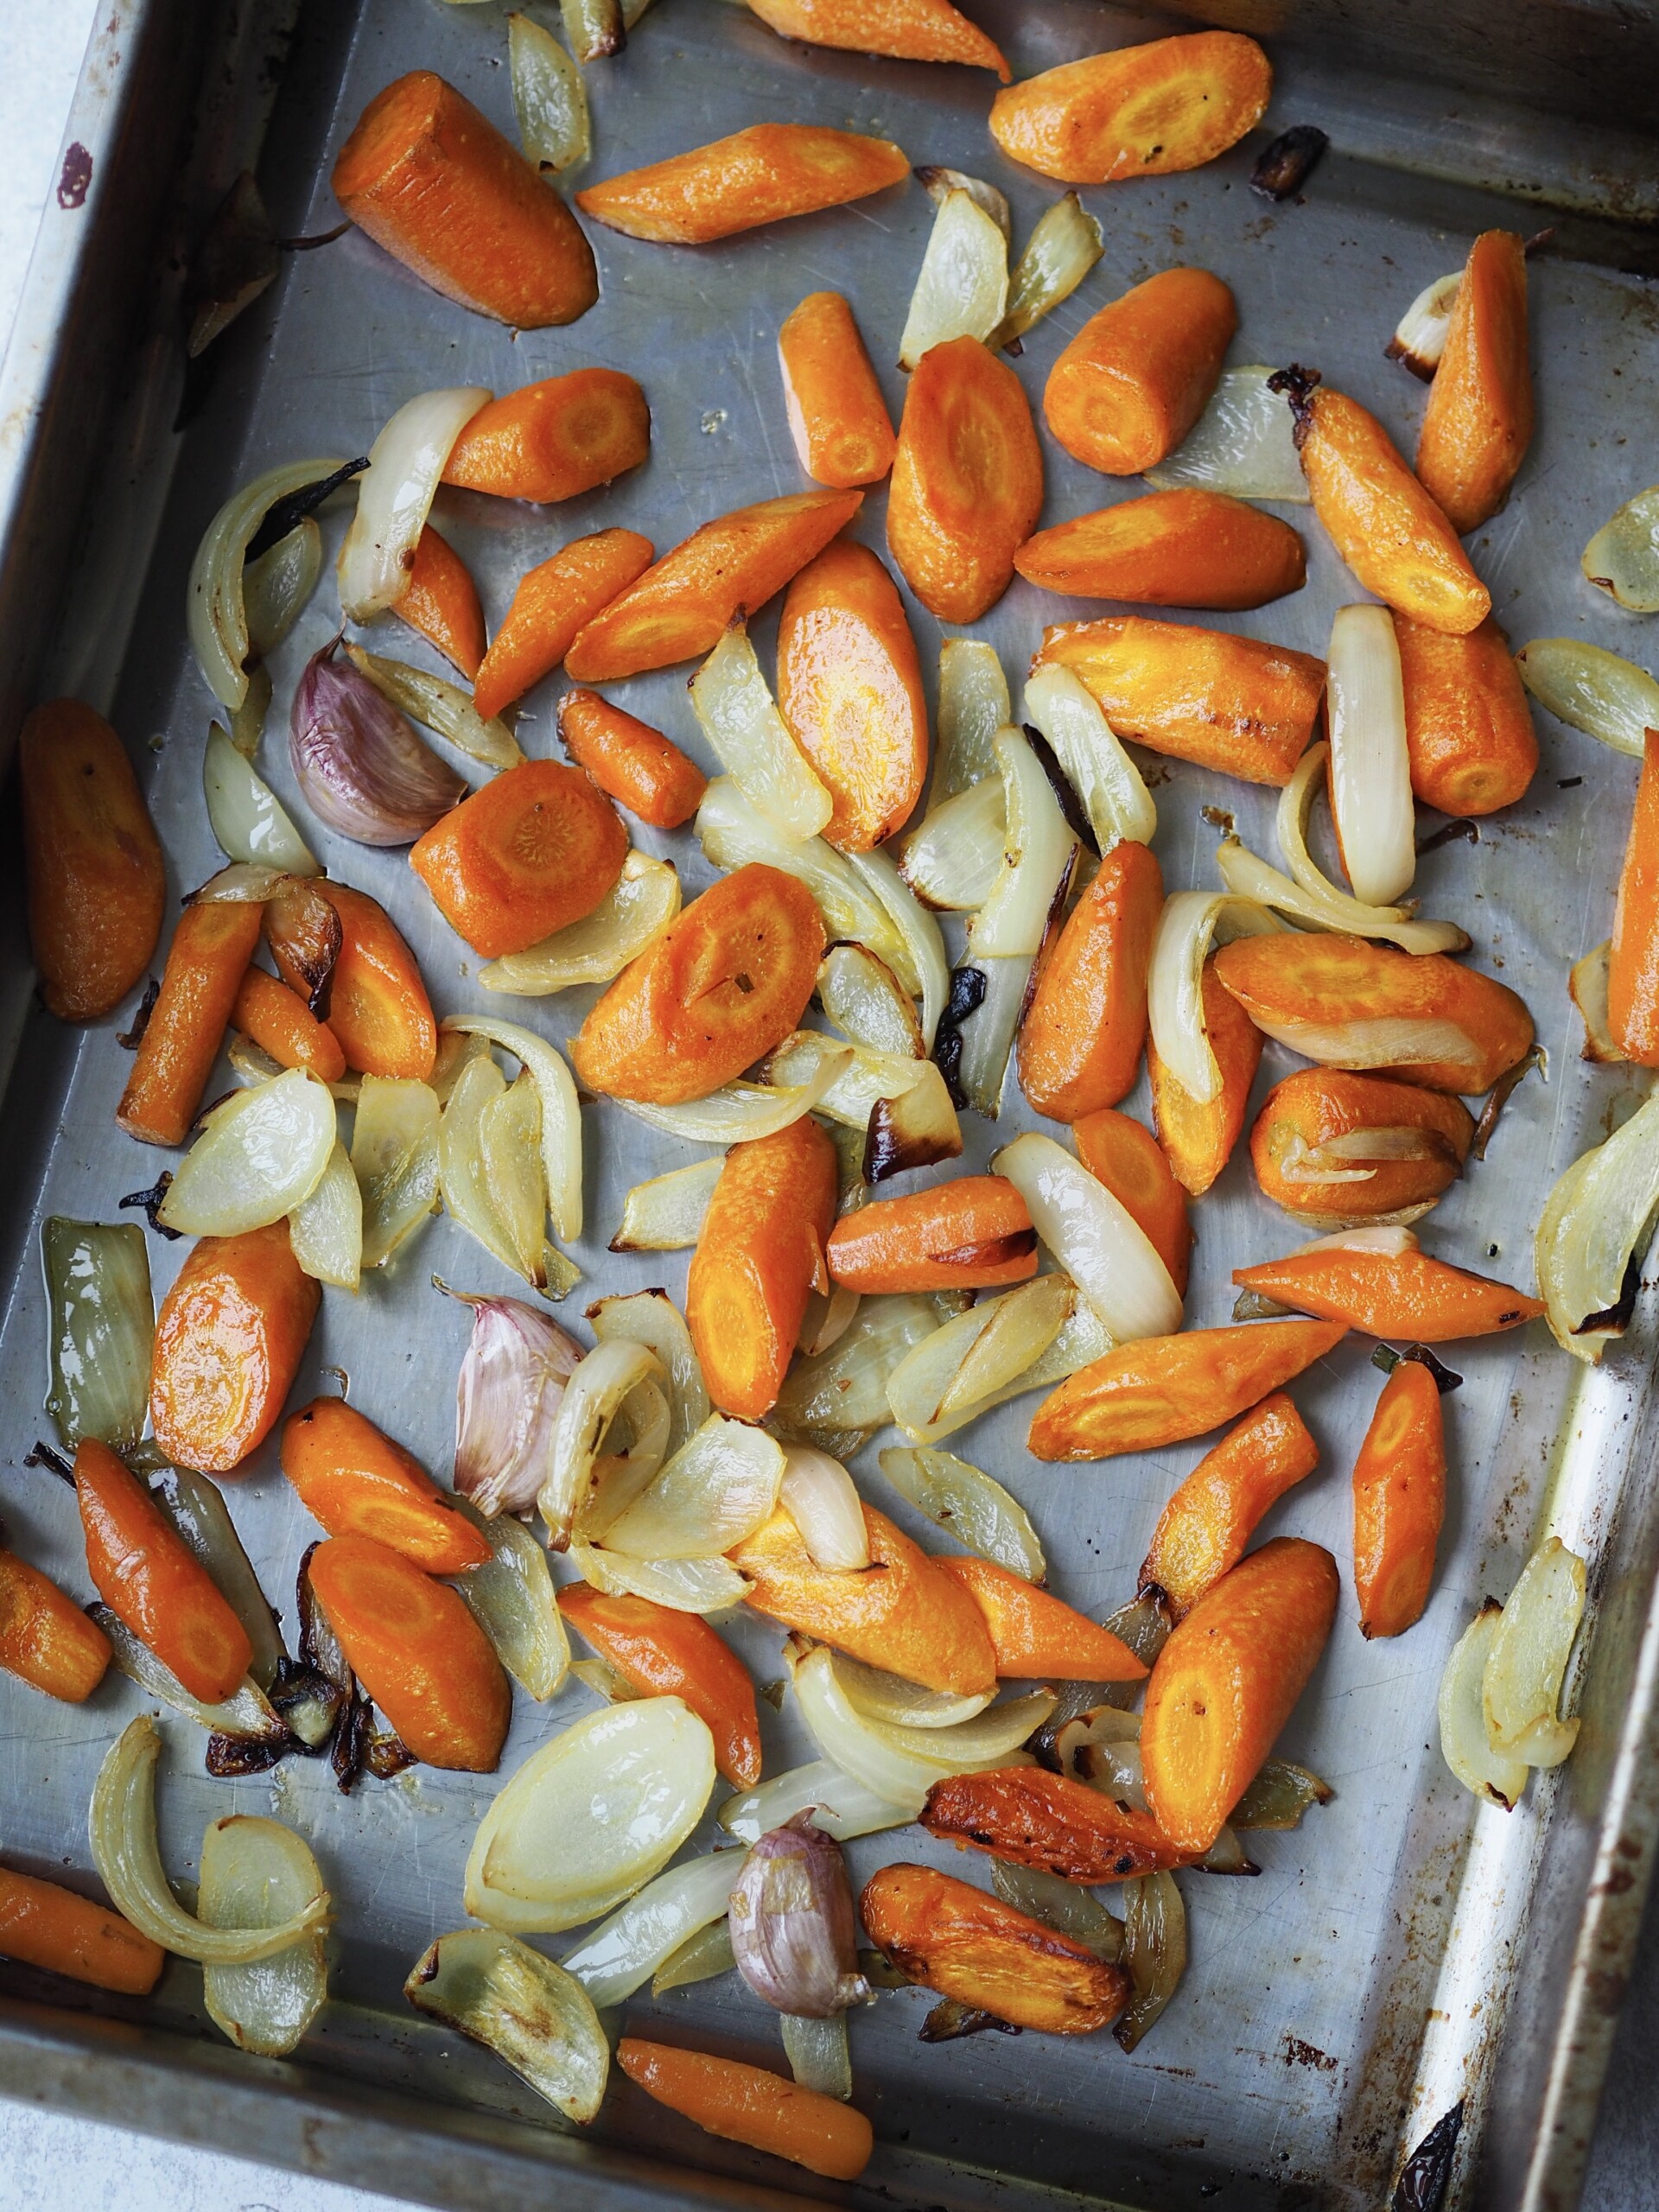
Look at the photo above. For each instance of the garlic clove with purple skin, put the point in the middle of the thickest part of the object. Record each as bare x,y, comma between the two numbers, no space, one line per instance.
358,763
507,1399
793,1929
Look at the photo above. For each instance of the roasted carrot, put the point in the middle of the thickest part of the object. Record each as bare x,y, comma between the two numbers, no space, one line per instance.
416,1650
1142,111
1403,1293
746,2104
1468,727
1130,1163
553,603
682,606
552,440
1038,1819
206,963
434,183
442,603
725,983
1478,421
668,1654
280,1022
759,1257
45,1638
1633,957
1198,1136
1162,1389
967,1944
45,1925
535,848
906,30
763,175
1333,1148
1232,703
1081,1040
97,884
970,1234
837,416
849,687
1399,1501
228,1343
353,1479
372,997
1202,1532
1133,382
633,765
1184,548
1035,1633
967,481
1223,1685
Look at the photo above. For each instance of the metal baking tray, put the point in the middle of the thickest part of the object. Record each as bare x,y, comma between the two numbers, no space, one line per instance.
1403,1950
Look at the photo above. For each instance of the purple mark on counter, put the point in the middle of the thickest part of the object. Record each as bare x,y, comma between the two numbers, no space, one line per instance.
76,177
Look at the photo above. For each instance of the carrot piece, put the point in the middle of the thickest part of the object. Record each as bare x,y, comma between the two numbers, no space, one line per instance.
1038,1819
746,2104
1142,110
850,686
1379,518
434,182
1081,1040
1199,1138
1034,1633
442,603
45,1638
837,416
1224,1684
1399,1501
632,764
1633,958
967,481
1133,382
1202,1532
553,602
906,30
763,175
902,1612
416,1650
1184,548
1478,421
552,440
377,1005
97,883
1391,1294
535,848
1232,703
149,1577
970,1234
47,1926
967,1944
1468,728
1129,1161
1318,1107
760,1255
206,963
280,1023
681,607
353,1479
229,1340
723,985
668,1654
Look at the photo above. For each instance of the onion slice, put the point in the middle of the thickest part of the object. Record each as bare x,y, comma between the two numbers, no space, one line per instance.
326,1228
480,1085
968,1504
974,1046
528,2011
561,1112
845,1389
817,2053
1190,920
1589,688
593,1395
276,585
246,1715
1593,1230
1094,1238
939,183
395,495
439,705
1154,1951
913,948
881,1696
1463,1742
1588,987
642,902
976,1358
665,1214
962,288
1065,244
684,1586
260,1155
1521,1684
865,1077
1038,848
548,98
950,859
651,1319
1323,904
1419,336
974,704
737,715
702,1957
1242,444
1371,768
257,1873
215,609
395,1158
738,1111
1622,557
1249,877
901,1764
245,814
1066,1906
842,1807
623,1952
195,1505
101,1324
716,1491
862,996
1114,794
821,1499
734,831
512,1600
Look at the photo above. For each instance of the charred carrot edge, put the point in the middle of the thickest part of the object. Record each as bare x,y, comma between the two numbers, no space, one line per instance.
746,2104
1633,957
532,850
1468,727
632,764
1406,1294
377,1006
837,416
1318,1105
904,30
1477,424
1081,1037
1399,1501
1202,1532
1131,1163
279,1021
551,606
553,440
228,1342
1198,1137
1129,387
1039,1819
354,1480
1139,111
442,603
45,1638
206,963
970,1234
1034,1633
668,1654
1181,548
47,1926
763,175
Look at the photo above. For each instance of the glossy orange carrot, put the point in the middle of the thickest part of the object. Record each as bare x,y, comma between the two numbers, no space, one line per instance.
279,1021
1224,1684
206,963
97,884
442,602
1399,1501
837,416
373,1001
725,983
1035,1633
632,764
1468,727
746,2104
1141,110
970,1234
1133,382
1391,1294
1478,421
849,687
1038,1819
1198,1136
967,481
763,175
551,606
1183,548
532,850
1387,1148
1081,1040
416,1650
434,183
759,1257
1130,1163
228,1343
1633,957
45,1638
1202,1532
668,1654
552,440
353,1479
47,1926
906,30
682,607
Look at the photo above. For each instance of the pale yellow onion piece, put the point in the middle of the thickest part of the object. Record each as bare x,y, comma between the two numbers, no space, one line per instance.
1249,877
548,98
257,1873
817,2053
276,586
594,28
1622,557
1391,1042
460,1157
248,720
245,814
603,1680
593,1398
1094,1238
1595,1223
881,1696
455,1055
665,1214
865,1077
1079,1339
974,704
962,288
1067,1906
846,1388
651,1319
1419,336
741,1110
951,1377
561,1112
716,1490
1190,920
1389,1240
840,1807
641,904
988,1033
101,1327
1114,794
968,1504
914,948
1371,768
702,1957
1065,244
1587,986
1153,1953
902,1764
1521,1685
684,1586
1464,1743
441,706
260,1155
952,857
326,1228
939,183
1600,693
1242,444
246,1713
732,832
1301,1162
821,1499
826,1316
394,496
861,994
737,715
215,609
623,1952
522,2007
510,1149
1038,846
244,883
395,1160
512,1598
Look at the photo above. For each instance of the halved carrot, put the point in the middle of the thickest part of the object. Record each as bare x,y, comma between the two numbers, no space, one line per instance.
552,440
906,30
352,1479
746,2104
664,1653
970,1234
1129,1161
47,1926
377,1004
1633,957
1081,1040
1038,1819
228,1342
763,175
280,1022
1468,727
837,416
1135,378
630,762
442,603
1184,548
1477,424
967,481
1391,1294
45,1638
682,606
1202,1532
206,963
1034,1633
1399,1501
849,687
553,603
1407,1144
536,847
1198,1136
1141,110
434,183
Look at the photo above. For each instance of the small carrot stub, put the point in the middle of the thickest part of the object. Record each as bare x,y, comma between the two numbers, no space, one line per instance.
442,603
353,1479
205,965
1477,424
1184,548
1133,382
763,175
849,687
1224,1684
45,1638
967,481
837,416
1034,1633
760,1256
1142,110
1202,1532
1081,1040
279,1021
1469,730
228,1343
553,440
532,850
97,882
1198,1135
1399,1501
682,606
45,1925
972,1233
1038,1819
434,182
1391,1294
1232,703
1130,1163
373,998
746,2104
1163,1390
904,30
553,603
1333,1148
1633,957
633,765
668,1654
723,985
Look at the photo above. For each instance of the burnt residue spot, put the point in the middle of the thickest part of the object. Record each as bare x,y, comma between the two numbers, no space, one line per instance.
1298,2053
229,1758
1286,166
950,2019
1447,834
1569,783
1070,804
1421,2186
966,996
75,179
150,1201
130,1039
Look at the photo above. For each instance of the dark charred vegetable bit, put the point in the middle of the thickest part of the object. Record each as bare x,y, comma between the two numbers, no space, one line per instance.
949,2019
130,1039
350,1744
966,996
237,260
150,1201
289,512
1060,784
1422,2184
1569,783
1219,818
308,1702
54,1462
900,1137
1289,162
1498,1098
230,1758
1297,384
1388,1359
1256,1306
1614,1319
1448,833
386,1754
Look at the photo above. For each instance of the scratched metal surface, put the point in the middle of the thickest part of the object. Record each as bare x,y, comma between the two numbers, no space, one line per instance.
1293,2066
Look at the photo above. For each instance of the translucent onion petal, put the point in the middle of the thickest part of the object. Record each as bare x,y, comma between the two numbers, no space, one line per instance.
684,1586
394,496
1064,246
962,288
952,857
732,832
215,609
742,1110
716,1490
548,98
914,948
863,998
651,1319
395,1160
1521,1686
439,705
1037,850
846,1388
822,1499
737,715
1191,919
246,1714
101,1323
1587,985
561,1112
902,1764
939,183
460,1157
1249,877
882,1696
1592,690
974,704
195,1505
1154,1951
510,1150
276,586
1622,557
976,1358
257,1874
592,1397
665,1214
260,1155
1371,768
843,1807
522,2007
326,1228
623,1952
1094,1238
866,1077
245,814
1420,337
512,1598
817,2053
983,1038
1067,1906
642,902
968,1505
1242,444
1114,794
1594,1228
1464,1743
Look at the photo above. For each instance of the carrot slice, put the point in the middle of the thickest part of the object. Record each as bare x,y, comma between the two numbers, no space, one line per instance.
906,30
1477,424
1142,110
763,175
45,1638
353,1479
228,1343
553,440
377,1005
668,1654
1035,1633
837,416
1038,1819
1468,727
1081,1040
970,1234
967,481
1399,1501
1202,1532
1129,1161
535,848
746,2104
442,603
280,1023
47,1926
1321,1106
553,603
1135,378
1391,1294
630,762
1633,959
1198,1136
1184,548
206,963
